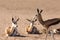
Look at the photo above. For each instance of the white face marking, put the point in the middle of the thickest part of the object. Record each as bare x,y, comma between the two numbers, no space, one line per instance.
54,30
31,24
14,25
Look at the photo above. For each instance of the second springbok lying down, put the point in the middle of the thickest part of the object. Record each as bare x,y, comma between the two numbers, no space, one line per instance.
12,30
31,29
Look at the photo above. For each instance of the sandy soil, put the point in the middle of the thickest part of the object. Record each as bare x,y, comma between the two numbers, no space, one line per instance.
27,9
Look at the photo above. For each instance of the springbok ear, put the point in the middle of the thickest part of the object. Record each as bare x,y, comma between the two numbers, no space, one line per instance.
17,20
41,11
37,10
35,20
28,20
12,19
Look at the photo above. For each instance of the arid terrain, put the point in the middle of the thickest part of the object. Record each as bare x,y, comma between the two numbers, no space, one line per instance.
26,9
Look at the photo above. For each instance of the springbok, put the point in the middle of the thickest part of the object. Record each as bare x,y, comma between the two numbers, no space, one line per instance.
12,30
56,31
31,29
48,23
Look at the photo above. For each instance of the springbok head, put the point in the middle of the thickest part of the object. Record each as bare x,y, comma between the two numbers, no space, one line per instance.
14,21
32,21
39,12
39,16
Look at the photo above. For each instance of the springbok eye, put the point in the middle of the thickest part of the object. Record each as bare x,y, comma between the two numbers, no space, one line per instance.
35,19
35,15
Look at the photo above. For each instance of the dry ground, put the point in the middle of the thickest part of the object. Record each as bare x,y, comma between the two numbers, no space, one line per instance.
27,9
